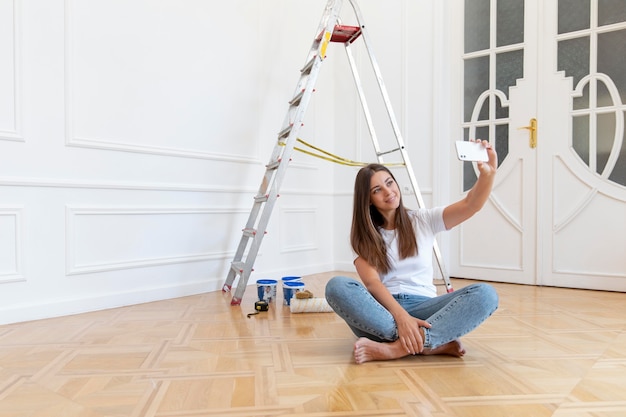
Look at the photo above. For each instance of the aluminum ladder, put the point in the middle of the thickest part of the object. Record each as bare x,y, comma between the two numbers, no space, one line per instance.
329,31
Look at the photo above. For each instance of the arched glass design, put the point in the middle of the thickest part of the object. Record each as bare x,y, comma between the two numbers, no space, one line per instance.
493,62
594,55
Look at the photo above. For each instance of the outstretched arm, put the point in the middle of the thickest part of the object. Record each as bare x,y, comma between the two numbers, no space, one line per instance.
475,199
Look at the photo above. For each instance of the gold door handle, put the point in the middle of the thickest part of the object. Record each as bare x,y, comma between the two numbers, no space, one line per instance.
533,132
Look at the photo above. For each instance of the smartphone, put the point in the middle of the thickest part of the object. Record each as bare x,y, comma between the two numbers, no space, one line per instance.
471,151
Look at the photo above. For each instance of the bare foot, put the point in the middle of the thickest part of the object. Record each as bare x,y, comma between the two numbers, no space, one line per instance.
454,348
366,350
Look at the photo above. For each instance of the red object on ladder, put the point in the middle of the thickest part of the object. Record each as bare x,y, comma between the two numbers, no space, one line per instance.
342,34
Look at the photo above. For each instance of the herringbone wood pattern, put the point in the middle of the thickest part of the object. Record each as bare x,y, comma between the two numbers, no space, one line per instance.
545,352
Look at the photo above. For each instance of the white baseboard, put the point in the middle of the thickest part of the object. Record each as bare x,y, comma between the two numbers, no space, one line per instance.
58,308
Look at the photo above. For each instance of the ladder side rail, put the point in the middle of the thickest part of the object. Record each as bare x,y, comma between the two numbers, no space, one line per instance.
442,268
363,100
379,78
332,10
230,278
388,106
381,86
420,202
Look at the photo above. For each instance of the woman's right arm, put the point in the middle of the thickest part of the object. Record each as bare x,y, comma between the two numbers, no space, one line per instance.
408,326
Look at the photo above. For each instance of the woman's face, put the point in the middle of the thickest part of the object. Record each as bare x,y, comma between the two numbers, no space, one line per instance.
384,192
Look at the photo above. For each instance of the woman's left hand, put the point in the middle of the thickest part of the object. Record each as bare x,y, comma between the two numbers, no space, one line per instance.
489,167
409,333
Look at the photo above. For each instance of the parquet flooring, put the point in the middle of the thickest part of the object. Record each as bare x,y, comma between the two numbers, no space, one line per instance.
545,352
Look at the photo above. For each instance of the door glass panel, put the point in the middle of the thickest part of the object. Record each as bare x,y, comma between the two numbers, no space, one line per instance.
482,133
604,96
611,11
573,58
573,15
484,111
502,141
509,68
476,81
605,139
476,25
618,175
612,58
510,27
582,102
469,175
580,137
501,111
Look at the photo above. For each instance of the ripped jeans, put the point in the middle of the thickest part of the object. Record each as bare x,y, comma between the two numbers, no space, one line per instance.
451,315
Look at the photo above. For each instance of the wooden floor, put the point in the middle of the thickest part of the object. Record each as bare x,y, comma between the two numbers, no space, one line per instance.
545,352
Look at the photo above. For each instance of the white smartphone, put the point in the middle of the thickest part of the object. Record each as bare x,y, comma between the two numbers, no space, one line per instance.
471,151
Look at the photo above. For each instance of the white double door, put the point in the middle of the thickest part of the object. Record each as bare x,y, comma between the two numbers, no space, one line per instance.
557,214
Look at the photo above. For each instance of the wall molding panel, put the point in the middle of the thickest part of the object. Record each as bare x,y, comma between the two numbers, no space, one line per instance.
110,145
11,244
52,307
138,186
298,229
100,239
159,187
10,72
154,124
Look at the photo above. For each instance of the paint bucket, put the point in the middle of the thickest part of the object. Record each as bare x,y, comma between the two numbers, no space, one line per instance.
266,289
290,288
288,279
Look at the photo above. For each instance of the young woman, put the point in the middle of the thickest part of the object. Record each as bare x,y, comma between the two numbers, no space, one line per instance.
395,311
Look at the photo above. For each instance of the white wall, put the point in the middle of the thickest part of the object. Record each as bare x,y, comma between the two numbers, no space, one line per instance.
133,136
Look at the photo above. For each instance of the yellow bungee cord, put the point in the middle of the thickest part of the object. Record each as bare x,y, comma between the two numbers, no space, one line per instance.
335,158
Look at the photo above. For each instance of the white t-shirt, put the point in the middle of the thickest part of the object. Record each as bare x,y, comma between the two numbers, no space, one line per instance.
414,275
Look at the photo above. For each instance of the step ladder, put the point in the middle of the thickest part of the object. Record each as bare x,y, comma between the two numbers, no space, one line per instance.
330,30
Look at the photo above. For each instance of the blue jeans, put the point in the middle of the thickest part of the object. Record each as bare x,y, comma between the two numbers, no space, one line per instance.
451,315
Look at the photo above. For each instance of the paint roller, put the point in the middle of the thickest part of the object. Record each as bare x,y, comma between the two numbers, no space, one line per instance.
310,305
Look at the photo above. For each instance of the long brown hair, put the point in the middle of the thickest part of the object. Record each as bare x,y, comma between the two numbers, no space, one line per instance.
365,237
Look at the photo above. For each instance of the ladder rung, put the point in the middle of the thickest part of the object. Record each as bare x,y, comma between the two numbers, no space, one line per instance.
261,198
307,67
273,165
285,132
237,267
389,151
343,33
249,232
296,100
